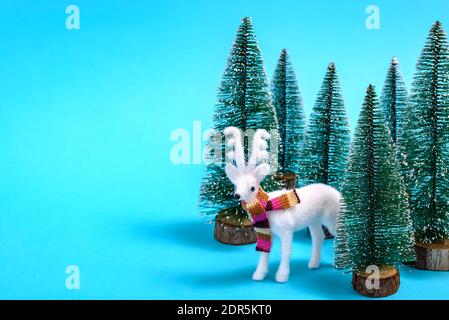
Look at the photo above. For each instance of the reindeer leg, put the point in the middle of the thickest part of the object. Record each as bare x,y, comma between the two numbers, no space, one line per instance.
317,235
262,267
286,251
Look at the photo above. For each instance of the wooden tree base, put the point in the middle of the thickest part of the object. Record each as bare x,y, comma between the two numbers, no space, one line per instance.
432,256
288,180
389,281
230,229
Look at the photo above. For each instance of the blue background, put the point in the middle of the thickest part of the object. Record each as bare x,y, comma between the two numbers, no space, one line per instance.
85,121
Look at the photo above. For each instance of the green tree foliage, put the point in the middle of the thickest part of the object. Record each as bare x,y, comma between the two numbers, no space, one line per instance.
374,227
393,100
290,114
328,137
425,141
244,101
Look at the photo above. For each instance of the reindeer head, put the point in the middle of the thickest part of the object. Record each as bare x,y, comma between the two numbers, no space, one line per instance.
246,178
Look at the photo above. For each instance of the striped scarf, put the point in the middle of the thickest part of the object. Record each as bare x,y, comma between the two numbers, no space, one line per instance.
258,208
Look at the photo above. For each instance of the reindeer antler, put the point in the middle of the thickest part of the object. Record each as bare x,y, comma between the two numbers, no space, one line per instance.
259,149
236,154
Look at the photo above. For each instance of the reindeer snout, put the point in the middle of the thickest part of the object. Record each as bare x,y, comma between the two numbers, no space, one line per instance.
237,196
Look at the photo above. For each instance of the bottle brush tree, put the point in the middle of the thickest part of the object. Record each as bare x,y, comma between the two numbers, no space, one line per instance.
393,101
425,145
425,141
326,148
290,115
374,228
328,136
244,101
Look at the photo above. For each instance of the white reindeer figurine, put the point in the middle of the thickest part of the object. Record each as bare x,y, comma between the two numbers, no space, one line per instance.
319,203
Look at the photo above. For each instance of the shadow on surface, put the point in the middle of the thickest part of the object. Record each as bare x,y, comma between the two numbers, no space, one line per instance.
194,234
324,281
220,279
421,275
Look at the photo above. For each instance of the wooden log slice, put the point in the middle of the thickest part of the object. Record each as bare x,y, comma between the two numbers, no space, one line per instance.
432,256
389,281
287,180
231,229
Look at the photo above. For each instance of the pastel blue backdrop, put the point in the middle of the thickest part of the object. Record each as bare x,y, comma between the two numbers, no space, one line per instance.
85,120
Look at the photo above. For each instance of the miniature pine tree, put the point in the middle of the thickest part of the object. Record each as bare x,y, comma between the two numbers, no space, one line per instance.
393,100
244,101
426,140
374,226
327,141
290,114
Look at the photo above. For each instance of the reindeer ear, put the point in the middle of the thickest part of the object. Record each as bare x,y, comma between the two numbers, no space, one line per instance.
231,172
261,171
